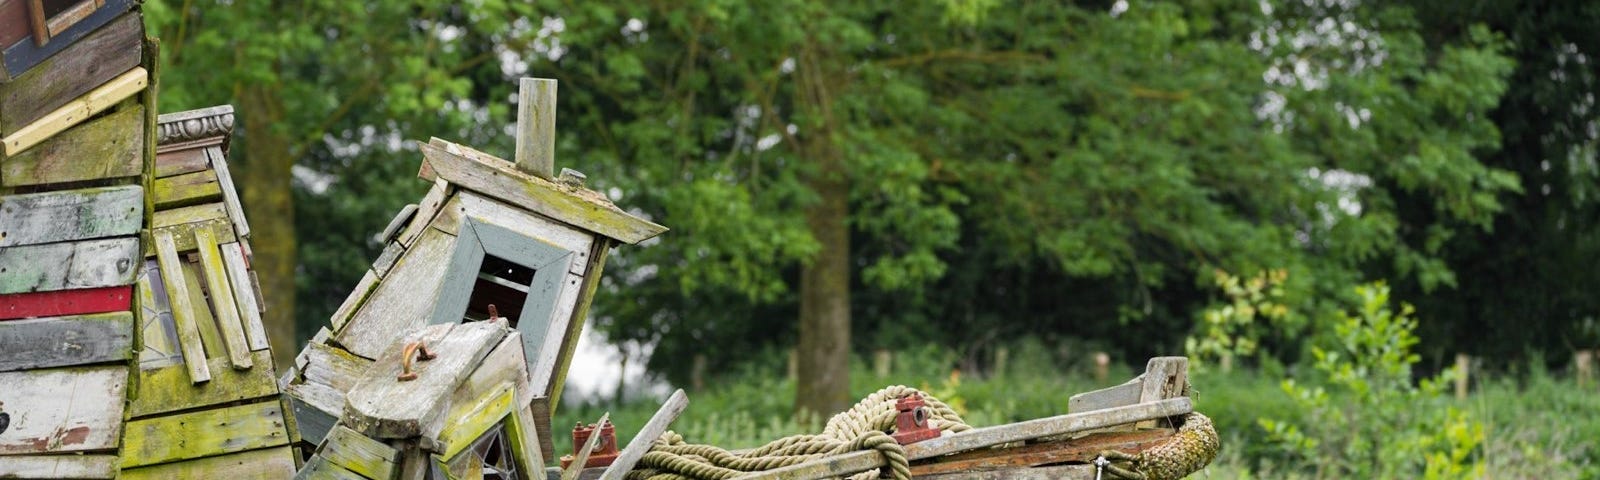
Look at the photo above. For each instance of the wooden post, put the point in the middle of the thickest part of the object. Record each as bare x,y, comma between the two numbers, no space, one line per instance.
1584,361
1002,355
881,362
697,372
41,33
536,127
1102,366
1463,368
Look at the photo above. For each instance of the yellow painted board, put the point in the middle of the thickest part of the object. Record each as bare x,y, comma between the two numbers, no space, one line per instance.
469,420
358,453
263,464
223,306
168,389
183,312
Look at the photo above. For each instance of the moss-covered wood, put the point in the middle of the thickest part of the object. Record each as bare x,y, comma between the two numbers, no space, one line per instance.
187,189
203,433
266,463
469,419
76,111
108,147
401,302
224,308
87,64
168,389
183,308
181,161
183,234
357,453
56,467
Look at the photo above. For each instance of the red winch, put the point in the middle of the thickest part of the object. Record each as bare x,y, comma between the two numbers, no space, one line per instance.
605,451
911,424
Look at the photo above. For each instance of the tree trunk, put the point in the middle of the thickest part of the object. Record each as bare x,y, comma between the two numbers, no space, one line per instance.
823,386
264,183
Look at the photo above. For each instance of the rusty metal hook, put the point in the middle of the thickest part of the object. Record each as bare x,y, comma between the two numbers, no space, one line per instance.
416,350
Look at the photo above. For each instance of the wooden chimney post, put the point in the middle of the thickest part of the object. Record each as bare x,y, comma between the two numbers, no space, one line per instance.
536,127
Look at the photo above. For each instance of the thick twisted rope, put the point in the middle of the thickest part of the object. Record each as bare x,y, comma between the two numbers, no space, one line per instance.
864,426
1193,447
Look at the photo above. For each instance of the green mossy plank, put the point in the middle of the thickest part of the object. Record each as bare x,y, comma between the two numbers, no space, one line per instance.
224,308
67,215
59,466
203,433
89,63
365,456
264,464
469,418
321,469
496,178
109,147
66,341
182,308
181,161
210,334
50,267
58,410
187,189
183,234
168,389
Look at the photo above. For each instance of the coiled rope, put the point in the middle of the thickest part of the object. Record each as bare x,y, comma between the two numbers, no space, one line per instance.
862,427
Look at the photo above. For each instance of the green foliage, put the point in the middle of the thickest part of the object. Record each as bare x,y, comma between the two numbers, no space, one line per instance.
1235,329
1376,422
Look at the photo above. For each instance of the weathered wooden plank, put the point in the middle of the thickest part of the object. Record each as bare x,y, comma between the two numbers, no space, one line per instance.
426,210
331,366
543,364
468,420
59,466
385,261
380,406
400,220
22,56
580,207
365,456
1164,377
449,218
647,435
402,302
69,265
580,314
316,409
168,389
76,111
524,440
354,301
263,464
156,327
70,215
536,127
187,189
239,279
541,412
93,61
210,334
1079,450
62,409
321,469
190,214
13,22
65,341
230,195
183,309
66,302
504,364
183,234
108,147
1116,396
1058,472
225,309
491,211
181,161
203,433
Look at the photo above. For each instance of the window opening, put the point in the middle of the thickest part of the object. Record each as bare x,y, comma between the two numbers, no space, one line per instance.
501,283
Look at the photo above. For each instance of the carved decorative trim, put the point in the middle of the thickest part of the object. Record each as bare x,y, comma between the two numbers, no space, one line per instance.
195,125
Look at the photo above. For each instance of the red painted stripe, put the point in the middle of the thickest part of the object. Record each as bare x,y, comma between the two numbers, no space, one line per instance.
66,302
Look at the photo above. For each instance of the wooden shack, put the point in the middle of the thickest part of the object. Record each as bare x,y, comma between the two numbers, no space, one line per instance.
490,235
129,321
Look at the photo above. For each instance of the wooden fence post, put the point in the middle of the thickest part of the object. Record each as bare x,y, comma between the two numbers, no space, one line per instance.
882,361
1584,361
1102,366
1463,370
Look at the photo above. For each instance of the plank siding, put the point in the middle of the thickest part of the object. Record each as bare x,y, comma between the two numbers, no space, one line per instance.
66,266
263,464
67,215
168,389
44,421
79,68
66,302
65,341
109,147
203,433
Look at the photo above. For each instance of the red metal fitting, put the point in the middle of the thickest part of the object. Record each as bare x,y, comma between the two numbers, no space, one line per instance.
605,451
911,424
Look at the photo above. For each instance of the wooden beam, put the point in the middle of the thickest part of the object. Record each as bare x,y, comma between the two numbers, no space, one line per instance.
76,111
1080,450
110,147
357,453
111,262
66,302
224,307
183,314
77,70
67,215
380,406
536,127
579,207
41,34
203,433
230,195
66,341
647,436
1058,472
62,410
276,462
249,308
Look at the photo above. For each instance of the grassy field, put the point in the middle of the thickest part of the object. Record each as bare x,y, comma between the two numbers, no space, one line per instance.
1535,425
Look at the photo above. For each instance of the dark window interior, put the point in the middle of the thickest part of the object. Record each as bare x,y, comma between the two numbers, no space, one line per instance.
503,284
55,7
